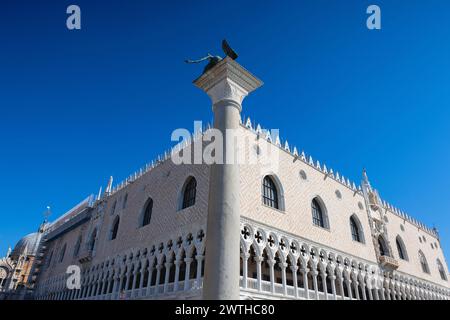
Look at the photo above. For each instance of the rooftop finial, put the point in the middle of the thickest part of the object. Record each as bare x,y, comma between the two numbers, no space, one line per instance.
47,213
109,186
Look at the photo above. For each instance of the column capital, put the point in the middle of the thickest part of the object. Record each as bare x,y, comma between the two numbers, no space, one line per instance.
228,81
246,255
271,262
199,257
259,259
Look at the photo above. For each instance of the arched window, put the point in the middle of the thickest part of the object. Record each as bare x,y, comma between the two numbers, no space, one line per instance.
62,253
423,262
113,208
382,246
270,193
125,200
49,261
115,228
318,215
91,244
441,270
356,229
402,254
77,246
147,214
189,193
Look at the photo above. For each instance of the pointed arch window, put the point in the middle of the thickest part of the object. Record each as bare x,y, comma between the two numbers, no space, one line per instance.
356,229
382,246
147,214
113,208
423,262
441,269
125,200
76,249
318,215
270,193
189,193
62,253
50,257
402,254
115,228
91,244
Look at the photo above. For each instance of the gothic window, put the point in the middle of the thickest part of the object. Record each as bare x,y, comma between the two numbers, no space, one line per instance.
115,228
77,247
423,262
91,244
270,193
113,208
318,214
50,258
189,193
125,200
303,175
62,253
382,247
147,214
441,270
355,227
338,194
401,248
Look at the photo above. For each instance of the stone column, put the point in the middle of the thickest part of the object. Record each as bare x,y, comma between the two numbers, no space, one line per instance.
115,284
177,274
227,83
158,277
316,287
333,285
294,269
168,265
356,287
134,284
187,273
245,257
272,275
348,281
304,272
149,279
108,285
258,261
199,258
323,274
141,279
283,266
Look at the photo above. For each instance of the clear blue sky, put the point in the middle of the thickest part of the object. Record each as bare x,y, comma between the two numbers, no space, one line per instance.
79,106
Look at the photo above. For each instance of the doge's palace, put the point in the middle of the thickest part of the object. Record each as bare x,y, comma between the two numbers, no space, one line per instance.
284,226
